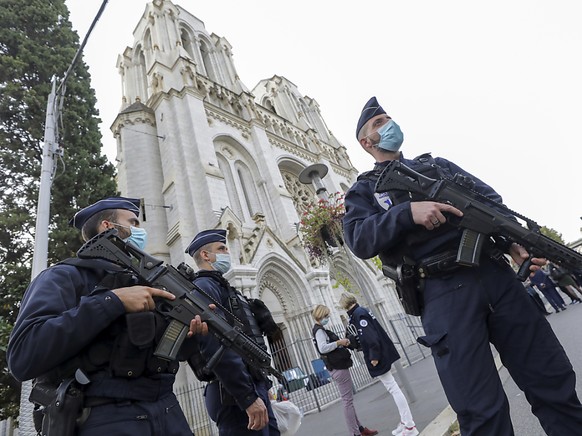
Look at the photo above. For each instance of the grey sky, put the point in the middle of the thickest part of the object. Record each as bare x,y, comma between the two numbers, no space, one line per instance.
494,86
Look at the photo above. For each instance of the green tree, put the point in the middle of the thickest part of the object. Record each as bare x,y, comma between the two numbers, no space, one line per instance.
37,42
552,234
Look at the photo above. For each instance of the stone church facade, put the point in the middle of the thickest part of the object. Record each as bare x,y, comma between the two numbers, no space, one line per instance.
204,151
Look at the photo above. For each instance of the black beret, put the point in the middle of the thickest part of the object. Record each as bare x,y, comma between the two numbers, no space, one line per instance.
206,237
81,217
371,109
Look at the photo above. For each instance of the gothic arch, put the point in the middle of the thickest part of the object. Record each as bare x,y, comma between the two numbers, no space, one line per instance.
188,41
302,195
147,40
206,52
343,267
249,190
238,166
226,144
231,187
141,75
285,281
267,103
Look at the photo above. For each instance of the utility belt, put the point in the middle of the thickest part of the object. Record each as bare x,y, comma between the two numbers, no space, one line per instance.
447,262
436,265
120,389
60,408
409,276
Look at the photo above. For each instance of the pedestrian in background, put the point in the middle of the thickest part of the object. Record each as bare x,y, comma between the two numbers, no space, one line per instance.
543,282
565,282
379,355
535,298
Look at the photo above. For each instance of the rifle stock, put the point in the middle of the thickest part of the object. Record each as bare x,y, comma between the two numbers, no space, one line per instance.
482,217
190,300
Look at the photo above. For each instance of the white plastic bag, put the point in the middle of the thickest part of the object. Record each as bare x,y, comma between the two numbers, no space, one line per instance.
288,417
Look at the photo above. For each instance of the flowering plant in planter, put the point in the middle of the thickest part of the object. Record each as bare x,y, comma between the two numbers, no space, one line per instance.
321,226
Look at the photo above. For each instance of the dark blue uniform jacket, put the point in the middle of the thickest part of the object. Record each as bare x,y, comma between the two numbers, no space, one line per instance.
231,370
372,224
61,317
376,344
58,318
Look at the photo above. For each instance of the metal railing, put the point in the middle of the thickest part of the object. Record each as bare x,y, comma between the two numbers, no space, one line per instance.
312,388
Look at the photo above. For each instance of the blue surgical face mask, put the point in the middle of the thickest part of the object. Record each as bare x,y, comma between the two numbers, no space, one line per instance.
391,136
325,320
138,236
222,263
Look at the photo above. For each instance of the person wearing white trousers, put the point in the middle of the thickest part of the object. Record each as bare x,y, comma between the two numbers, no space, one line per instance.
379,355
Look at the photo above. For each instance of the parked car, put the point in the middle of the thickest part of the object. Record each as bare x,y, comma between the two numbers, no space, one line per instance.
295,379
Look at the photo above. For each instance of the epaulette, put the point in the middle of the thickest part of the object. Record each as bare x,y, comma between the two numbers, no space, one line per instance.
425,158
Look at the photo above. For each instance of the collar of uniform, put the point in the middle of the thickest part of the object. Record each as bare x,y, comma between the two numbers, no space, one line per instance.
382,165
352,309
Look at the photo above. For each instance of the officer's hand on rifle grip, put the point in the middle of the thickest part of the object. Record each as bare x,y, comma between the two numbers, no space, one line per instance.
140,298
430,213
528,264
197,326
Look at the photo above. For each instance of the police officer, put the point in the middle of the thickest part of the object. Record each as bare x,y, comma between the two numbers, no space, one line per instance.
91,317
464,308
379,355
237,400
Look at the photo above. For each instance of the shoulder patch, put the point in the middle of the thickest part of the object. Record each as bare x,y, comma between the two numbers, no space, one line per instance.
383,200
363,323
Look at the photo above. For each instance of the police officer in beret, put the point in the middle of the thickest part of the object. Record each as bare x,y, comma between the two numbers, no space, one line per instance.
464,309
90,316
237,397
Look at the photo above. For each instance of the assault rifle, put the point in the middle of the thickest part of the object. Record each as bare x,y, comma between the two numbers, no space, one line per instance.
190,301
482,218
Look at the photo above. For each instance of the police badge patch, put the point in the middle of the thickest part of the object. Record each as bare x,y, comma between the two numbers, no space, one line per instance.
363,323
383,200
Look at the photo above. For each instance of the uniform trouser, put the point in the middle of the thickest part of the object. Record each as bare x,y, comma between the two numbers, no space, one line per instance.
471,308
231,419
343,379
163,417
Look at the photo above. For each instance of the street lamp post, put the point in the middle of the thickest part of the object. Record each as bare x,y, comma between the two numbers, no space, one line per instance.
313,174
40,256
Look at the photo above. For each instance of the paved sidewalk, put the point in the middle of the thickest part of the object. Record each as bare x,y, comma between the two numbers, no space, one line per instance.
433,415
377,410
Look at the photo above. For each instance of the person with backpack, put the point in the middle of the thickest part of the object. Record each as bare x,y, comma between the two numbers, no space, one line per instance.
86,332
236,396
379,355
338,360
